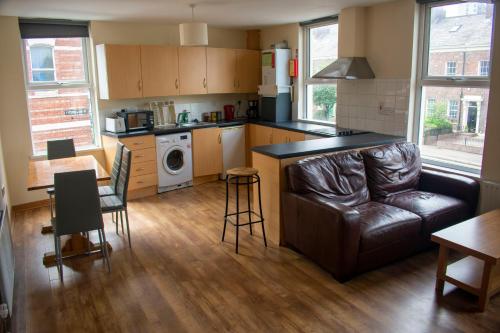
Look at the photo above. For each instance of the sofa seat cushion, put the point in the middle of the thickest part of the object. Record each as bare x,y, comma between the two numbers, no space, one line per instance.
436,210
382,225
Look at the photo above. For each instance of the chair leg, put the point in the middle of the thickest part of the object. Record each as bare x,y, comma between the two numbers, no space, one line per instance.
227,204
104,247
249,210
128,228
260,212
121,220
59,257
237,211
87,235
116,222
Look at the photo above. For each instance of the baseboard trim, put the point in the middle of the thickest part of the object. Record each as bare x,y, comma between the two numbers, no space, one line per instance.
205,179
31,205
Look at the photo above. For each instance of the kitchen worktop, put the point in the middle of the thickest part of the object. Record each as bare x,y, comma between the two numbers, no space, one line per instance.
297,126
327,145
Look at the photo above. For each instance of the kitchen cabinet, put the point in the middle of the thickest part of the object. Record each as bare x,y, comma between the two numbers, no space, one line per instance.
248,70
260,135
159,70
143,179
192,70
119,69
284,136
221,70
207,151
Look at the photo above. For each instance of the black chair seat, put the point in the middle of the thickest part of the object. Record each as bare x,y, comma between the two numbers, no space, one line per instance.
106,190
111,203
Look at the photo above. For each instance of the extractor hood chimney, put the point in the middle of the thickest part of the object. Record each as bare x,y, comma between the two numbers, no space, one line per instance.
352,63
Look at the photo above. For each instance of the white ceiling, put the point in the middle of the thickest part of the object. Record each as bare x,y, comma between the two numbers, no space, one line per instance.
222,13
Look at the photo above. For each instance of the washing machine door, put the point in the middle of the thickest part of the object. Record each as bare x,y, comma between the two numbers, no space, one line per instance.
173,160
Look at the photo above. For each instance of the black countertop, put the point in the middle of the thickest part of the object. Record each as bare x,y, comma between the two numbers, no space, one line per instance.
328,145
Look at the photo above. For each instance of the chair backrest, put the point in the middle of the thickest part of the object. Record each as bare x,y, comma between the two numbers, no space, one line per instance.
60,149
78,207
115,171
339,177
122,185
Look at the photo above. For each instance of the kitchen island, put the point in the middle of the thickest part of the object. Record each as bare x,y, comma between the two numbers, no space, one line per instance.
271,161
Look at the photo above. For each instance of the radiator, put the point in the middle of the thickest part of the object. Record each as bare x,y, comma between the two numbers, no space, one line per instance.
489,197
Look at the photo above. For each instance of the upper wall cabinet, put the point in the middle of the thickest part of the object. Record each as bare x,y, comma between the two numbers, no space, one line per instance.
119,68
193,70
221,70
160,70
247,71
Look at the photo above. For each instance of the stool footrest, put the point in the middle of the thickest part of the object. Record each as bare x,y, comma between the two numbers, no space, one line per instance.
231,218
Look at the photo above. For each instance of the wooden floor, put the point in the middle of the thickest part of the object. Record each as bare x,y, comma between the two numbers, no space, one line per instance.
179,277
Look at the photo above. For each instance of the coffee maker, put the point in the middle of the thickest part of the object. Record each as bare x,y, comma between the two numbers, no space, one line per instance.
253,109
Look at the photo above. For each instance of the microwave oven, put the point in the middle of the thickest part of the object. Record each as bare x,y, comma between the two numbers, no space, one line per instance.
137,120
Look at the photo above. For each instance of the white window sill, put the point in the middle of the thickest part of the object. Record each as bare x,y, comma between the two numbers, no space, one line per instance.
79,152
429,166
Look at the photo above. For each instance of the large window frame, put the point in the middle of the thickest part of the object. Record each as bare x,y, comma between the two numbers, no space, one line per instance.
307,77
425,80
86,83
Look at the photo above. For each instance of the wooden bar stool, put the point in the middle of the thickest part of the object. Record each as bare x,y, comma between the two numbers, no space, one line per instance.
235,176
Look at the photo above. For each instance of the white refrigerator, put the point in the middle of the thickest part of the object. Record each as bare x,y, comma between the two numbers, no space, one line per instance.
233,148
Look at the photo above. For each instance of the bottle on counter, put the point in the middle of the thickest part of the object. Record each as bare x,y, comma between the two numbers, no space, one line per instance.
171,113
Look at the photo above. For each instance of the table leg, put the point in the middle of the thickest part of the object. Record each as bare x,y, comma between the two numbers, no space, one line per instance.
76,245
485,283
441,269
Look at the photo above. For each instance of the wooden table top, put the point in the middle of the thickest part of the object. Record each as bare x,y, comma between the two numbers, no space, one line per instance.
41,173
479,236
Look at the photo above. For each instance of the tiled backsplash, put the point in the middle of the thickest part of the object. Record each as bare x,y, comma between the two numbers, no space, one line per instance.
378,105
195,105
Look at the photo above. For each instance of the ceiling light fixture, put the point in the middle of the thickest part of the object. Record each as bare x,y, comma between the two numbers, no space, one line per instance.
193,33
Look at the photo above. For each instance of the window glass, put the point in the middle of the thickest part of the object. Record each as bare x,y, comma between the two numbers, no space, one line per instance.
453,112
320,94
56,112
459,34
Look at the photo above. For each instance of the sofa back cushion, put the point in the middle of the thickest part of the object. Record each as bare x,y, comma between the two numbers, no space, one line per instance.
392,169
340,177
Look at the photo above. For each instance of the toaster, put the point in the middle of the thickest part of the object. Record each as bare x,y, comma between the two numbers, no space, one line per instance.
115,125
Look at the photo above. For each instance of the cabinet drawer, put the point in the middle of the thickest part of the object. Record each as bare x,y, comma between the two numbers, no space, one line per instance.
144,168
143,155
142,181
139,142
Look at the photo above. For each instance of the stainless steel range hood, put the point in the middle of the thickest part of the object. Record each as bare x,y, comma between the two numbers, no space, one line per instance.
348,68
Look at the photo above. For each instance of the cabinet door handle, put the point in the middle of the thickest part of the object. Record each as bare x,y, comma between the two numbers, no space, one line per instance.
138,143
138,156
234,83
204,83
176,83
139,84
139,169
220,138
140,182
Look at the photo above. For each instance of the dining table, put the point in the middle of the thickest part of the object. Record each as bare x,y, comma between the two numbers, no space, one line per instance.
41,176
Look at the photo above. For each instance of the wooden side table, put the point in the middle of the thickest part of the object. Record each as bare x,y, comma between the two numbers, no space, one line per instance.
479,272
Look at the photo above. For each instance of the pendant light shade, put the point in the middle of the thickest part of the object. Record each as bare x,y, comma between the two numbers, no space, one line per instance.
193,33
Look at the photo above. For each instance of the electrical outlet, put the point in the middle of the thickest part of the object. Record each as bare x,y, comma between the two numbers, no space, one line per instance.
385,110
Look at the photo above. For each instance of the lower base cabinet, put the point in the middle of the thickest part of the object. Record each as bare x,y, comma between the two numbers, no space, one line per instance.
207,151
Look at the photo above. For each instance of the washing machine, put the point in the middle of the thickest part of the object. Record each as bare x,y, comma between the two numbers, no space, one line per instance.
175,161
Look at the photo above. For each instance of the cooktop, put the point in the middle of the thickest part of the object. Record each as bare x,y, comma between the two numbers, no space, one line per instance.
338,131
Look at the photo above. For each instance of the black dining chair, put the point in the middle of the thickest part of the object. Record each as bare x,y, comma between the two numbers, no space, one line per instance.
115,173
58,149
78,210
117,203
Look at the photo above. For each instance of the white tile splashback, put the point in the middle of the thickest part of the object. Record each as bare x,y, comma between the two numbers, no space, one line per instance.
379,105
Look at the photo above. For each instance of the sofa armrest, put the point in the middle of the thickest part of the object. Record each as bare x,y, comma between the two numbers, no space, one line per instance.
325,231
452,185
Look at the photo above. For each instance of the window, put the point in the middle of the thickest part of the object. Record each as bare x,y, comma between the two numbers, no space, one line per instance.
431,105
59,92
450,129
320,95
42,63
453,109
484,68
451,68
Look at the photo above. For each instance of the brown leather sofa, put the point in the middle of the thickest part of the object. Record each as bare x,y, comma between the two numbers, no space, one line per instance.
354,211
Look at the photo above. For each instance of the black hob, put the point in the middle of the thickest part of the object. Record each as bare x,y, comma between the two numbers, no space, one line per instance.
338,131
